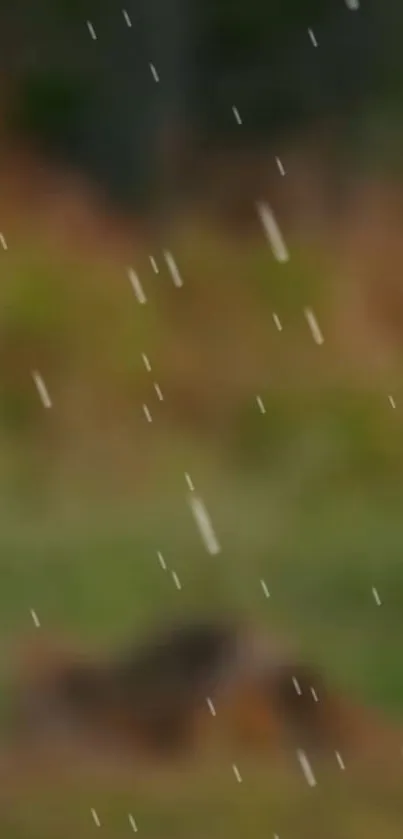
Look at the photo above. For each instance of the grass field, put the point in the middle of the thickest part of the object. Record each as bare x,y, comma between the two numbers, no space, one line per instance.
92,568
307,497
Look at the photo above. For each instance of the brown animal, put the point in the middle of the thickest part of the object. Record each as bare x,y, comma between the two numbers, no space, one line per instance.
190,686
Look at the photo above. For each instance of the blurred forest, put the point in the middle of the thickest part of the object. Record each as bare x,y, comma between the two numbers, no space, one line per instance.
94,104
149,331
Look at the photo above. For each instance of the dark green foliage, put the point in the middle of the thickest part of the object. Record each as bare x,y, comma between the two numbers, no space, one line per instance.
96,103
49,107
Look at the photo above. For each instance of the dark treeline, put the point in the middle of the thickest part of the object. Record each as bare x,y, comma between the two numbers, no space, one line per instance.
94,103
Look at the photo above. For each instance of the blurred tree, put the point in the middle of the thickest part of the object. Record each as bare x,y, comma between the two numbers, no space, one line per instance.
96,103
261,58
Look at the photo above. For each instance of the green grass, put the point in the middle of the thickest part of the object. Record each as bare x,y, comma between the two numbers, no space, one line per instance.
307,497
206,801
90,566
211,803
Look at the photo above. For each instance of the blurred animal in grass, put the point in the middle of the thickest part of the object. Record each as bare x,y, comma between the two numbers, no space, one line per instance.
183,691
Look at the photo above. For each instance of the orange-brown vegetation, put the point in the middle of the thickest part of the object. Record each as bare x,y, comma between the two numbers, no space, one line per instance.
188,690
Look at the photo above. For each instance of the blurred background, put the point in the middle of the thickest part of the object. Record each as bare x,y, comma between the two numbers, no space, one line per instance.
154,338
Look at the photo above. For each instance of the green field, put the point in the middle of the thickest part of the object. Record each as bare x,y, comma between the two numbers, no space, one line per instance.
92,568
307,497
